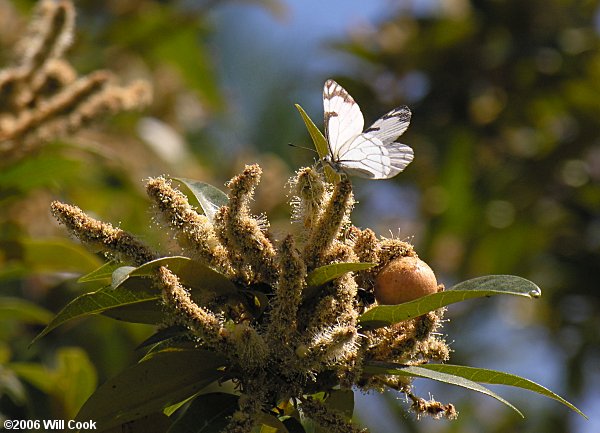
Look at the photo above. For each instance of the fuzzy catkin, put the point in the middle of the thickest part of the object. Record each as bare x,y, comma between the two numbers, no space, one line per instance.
288,293
242,233
194,232
327,228
201,322
102,235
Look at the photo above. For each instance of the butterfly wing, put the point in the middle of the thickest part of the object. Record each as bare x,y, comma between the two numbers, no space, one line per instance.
390,126
343,118
374,153
367,156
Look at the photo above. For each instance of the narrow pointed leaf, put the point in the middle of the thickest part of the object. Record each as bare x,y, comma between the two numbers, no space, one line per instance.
209,198
207,413
385,315
499,378
104,272
156,382
414,371
98,302
320,143
327,273
162,335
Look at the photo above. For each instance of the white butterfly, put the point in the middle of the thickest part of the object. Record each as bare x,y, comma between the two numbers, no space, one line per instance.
373,154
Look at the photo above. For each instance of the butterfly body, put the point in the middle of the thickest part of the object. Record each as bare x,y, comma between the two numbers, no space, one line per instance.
372,153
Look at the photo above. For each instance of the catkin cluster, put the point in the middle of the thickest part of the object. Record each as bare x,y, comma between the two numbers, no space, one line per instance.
41,95
305,338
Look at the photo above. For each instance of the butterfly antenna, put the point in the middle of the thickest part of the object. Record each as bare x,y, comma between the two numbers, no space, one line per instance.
301,147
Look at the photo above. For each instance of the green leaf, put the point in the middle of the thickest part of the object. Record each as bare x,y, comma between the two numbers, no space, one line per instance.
341,400
156,382
320,143
70,382
191,273
98,302
163,335
104,272
207,413
499,378
324,274
23,311
209,197
385,315
147,312
39,171
268,424
58,255
377,368
76,379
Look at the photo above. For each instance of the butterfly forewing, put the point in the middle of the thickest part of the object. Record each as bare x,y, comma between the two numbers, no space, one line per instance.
343,119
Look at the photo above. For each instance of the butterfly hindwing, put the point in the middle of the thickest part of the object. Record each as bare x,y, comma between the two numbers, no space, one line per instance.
390,126
366,156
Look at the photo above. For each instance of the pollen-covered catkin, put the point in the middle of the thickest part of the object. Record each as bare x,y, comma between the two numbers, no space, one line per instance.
49,34
241,233
194,232
309,193
102,235
203,323
283,324
41,97
328,227
334,421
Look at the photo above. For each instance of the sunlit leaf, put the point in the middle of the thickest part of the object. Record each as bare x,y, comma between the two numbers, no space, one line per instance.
104,272
498,378
209,197
23,311
327,273
378,368
207,413
320,143
156,382
385,315
266,423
